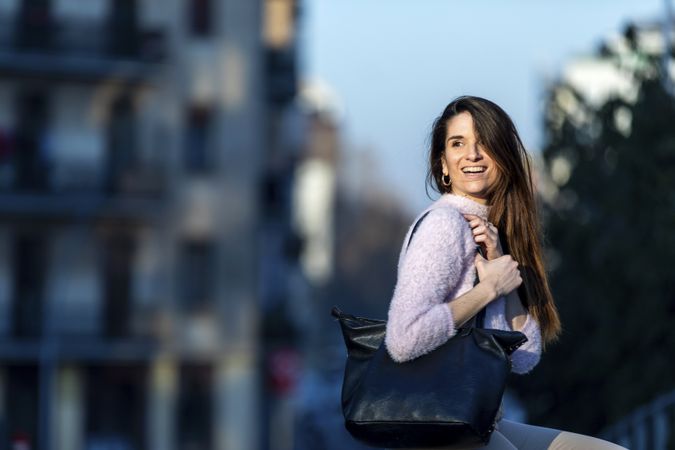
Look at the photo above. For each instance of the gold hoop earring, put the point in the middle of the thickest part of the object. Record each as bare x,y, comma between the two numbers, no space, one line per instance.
446,183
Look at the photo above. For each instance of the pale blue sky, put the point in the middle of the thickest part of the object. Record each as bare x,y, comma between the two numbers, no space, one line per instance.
395,64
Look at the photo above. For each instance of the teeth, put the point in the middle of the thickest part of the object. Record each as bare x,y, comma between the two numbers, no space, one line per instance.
473,169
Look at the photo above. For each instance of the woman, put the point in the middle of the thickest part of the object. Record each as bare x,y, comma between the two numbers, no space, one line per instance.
479,165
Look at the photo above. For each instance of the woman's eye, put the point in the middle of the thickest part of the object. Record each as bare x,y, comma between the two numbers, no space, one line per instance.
456,144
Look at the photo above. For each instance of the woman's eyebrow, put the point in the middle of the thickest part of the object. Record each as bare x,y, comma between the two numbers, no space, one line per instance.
457,136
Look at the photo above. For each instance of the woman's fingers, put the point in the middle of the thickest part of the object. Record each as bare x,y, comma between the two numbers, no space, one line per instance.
493,237
480,225
484,233
480,229
473,219
477,222
487,237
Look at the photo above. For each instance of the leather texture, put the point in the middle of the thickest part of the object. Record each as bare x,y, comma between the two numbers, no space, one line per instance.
448,397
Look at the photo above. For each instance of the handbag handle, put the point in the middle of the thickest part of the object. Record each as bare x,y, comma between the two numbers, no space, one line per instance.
478,319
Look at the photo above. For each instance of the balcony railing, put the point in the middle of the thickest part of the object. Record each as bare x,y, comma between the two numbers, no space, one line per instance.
135,193
78,48
142,179
648,427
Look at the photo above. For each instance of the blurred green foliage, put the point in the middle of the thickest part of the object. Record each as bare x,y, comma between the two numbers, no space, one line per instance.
610,230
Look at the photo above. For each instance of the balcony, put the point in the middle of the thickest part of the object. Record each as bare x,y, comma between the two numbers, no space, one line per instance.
79,349
32,189
87,51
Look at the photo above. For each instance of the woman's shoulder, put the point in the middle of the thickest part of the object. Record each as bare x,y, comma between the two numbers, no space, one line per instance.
441,215
438,233
436,223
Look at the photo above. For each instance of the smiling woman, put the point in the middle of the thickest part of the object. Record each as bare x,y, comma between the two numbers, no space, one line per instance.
477,155
479,165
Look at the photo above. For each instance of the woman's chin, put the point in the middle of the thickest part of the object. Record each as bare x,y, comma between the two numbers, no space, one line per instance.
478,190
478,196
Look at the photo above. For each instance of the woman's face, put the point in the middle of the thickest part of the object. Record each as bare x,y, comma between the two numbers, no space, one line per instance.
471,169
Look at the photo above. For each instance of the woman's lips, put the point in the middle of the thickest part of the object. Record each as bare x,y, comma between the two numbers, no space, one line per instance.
474,175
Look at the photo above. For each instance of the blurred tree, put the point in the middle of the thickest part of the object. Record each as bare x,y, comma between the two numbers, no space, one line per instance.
610,232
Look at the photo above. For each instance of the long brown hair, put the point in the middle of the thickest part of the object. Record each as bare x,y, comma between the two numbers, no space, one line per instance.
513,207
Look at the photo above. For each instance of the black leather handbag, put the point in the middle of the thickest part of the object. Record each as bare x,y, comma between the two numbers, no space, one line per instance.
446,398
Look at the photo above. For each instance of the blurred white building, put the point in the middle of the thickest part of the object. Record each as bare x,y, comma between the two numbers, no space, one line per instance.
588,82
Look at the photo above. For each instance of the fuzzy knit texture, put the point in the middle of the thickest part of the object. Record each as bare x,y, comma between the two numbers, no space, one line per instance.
437,267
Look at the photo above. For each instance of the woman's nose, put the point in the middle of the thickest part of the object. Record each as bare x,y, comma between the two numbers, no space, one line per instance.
473,153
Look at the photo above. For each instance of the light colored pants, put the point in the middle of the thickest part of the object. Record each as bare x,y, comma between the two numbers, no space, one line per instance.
510,435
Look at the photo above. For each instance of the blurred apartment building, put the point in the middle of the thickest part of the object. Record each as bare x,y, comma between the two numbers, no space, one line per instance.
147,158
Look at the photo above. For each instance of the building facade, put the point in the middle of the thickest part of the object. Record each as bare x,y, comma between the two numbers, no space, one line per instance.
134,147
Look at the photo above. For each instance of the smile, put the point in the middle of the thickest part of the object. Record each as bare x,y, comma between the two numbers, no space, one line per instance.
474,169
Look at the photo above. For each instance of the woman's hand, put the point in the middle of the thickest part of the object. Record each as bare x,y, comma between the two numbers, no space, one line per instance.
501,274
486,235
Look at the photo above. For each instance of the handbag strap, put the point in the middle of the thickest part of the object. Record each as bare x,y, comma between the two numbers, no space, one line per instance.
478,320
417,224
480,317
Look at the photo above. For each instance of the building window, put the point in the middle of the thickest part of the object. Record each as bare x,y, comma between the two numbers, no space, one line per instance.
115,406
21,397
31,160
29,264
197,150
196,273
118,253
123,22
200,14
35,25
195,406
121,144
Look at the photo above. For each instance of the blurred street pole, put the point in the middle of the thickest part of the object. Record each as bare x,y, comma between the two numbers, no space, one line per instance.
667,40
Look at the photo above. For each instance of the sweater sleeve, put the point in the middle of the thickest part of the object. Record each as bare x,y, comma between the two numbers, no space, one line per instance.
527,356
419,318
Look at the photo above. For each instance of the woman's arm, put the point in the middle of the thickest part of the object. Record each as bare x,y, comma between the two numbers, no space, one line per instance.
497,278
516,315
527,355
471,302
419,319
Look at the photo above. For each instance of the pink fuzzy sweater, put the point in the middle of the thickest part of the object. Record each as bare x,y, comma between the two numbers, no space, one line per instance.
438,267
